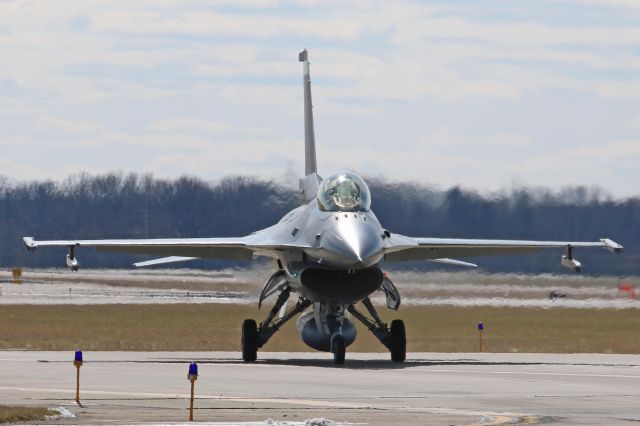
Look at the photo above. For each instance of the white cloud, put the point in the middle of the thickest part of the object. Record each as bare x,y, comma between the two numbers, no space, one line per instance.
191,124
529,34
49,122
200,23
619,89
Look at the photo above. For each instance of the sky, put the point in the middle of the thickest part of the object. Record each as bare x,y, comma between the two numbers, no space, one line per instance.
487,95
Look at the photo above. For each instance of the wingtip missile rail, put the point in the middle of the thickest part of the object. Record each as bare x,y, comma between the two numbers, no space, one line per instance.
30,243
612,246
568,260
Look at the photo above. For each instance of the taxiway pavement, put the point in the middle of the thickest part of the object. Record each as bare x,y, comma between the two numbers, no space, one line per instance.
135,387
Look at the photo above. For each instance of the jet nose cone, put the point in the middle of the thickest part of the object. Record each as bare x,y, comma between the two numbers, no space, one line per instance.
354,243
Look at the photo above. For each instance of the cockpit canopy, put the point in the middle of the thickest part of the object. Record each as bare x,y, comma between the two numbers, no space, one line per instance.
344,192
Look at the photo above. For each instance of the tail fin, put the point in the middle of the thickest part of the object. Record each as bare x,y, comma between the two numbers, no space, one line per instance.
310,183
309,137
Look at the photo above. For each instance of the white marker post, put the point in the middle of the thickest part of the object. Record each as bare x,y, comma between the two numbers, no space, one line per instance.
192,377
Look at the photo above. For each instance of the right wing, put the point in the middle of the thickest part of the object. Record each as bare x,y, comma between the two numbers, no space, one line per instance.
402,248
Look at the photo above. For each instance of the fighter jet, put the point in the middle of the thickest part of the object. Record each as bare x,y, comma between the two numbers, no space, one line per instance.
328,254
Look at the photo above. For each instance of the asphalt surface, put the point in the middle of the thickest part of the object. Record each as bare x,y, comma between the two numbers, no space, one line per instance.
134,387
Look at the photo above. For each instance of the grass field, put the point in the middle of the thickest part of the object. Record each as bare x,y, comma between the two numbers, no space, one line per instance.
10,414
207,327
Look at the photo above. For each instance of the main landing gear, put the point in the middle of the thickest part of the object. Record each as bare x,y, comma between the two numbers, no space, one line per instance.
394,337
254,336
249,340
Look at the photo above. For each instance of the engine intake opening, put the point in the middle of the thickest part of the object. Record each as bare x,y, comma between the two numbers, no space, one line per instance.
340,285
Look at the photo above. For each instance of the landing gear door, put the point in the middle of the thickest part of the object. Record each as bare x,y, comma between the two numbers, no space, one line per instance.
390,290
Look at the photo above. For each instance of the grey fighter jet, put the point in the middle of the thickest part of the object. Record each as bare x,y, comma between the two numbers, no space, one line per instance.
328,253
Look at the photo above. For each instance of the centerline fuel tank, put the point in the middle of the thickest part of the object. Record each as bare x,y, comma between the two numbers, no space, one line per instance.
319,337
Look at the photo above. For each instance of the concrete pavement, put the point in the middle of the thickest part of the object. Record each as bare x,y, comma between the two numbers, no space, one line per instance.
134,387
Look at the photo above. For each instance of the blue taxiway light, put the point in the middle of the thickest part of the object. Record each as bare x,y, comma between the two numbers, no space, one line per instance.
78,356
193,369
480,326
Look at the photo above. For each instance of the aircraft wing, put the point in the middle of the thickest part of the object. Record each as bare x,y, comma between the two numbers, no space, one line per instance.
401,248
242,248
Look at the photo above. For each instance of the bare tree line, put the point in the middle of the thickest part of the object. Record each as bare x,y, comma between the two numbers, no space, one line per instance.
118,205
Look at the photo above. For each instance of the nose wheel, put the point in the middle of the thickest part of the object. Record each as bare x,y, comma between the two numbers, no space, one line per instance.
338,349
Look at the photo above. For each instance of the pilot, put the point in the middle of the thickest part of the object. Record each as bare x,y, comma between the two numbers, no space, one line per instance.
346,193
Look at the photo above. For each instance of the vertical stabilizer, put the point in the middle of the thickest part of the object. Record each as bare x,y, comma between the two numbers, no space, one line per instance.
309,137
310,183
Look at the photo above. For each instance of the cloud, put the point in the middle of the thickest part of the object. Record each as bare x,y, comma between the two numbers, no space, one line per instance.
49,122
191,124
207,23
447,93
615,89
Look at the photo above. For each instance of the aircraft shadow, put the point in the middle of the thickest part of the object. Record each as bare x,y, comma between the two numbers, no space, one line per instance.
359,364
350,364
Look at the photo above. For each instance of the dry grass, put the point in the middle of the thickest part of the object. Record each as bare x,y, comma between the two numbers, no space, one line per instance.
23,414
207,327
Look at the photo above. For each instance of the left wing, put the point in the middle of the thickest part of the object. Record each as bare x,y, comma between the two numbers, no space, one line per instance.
216,248
178,249
400,248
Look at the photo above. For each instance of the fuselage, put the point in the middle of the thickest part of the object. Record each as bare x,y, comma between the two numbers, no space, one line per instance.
343,240
335,254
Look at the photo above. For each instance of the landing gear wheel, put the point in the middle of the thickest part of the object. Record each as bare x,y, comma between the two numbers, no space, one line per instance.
249,340
398,345
338,349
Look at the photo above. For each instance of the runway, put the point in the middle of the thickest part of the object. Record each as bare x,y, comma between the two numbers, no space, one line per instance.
152,387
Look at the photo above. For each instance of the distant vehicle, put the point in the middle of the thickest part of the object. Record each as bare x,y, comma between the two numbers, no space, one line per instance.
629,289
328,253
557,295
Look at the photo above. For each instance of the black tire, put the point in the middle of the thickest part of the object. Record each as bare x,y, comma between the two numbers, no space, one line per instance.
249,340
398,341
338,349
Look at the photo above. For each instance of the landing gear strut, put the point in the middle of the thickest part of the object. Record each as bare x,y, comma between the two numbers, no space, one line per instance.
254,336
394,337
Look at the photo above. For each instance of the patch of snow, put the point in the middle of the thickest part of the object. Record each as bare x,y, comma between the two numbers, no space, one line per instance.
63,413
320,421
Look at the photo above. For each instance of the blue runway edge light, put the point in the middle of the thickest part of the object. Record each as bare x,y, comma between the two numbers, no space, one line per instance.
480,326
78,356
193,369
